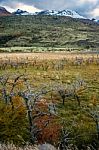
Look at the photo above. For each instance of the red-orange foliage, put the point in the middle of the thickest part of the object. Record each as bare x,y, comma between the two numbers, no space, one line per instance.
50,129
49,126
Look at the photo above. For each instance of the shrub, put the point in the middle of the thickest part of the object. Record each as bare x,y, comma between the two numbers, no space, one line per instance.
13,124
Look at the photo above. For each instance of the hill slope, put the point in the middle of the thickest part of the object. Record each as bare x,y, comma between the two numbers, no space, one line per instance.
48,31
4,12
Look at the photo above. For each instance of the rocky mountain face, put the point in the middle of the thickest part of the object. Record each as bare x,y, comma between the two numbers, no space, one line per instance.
20,12
4,12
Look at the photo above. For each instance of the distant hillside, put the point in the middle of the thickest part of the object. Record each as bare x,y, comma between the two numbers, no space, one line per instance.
48,31
4,12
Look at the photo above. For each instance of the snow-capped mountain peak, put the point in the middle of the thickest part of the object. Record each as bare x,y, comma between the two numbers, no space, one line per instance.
20,12
70,13
66,12
48,12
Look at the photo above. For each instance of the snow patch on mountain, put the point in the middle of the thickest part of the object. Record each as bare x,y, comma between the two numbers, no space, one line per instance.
21,12
67,12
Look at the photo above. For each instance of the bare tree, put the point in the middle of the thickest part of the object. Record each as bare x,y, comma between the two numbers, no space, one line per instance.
31,97
7,95
71,90
94,114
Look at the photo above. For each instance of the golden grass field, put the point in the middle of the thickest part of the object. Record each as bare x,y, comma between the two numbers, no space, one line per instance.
46,56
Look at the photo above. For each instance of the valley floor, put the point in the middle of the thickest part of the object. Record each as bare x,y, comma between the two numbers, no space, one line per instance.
54,93
48,55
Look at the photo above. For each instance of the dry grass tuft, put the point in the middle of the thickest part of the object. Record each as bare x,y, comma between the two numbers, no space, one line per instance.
28,147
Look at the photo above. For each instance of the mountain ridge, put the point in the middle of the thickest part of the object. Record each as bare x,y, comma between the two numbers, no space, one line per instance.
67,12
4,12
20,12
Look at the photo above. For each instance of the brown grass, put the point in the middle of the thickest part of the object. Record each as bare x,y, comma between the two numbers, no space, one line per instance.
45,56
28,147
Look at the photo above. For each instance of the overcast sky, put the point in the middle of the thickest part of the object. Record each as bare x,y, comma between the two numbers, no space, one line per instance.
87,8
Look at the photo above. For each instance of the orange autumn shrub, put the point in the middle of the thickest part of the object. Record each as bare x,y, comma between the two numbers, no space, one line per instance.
50,129
47,124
